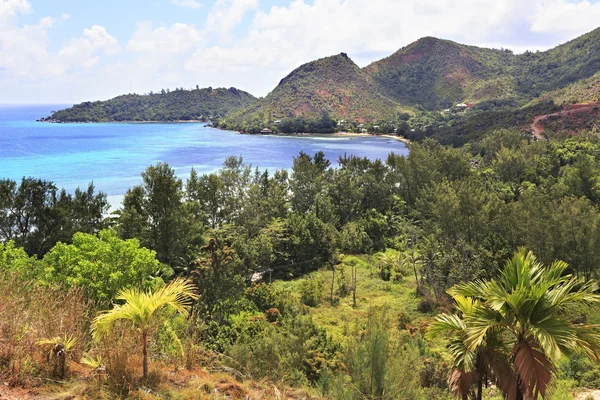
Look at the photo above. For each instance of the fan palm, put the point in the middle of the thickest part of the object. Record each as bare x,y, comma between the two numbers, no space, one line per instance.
140,308
521,320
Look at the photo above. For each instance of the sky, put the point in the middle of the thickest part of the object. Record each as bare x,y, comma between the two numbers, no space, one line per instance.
68,51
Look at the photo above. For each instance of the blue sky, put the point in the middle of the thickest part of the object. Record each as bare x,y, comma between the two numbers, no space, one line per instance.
66,51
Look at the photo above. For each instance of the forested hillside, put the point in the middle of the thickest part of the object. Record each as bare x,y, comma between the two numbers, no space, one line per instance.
406,92
437,74
177,105
320,282
333,85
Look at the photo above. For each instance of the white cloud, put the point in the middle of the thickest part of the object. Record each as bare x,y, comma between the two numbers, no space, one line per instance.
277,40
178,39
566,16
10,8
187,3
227,14
86,50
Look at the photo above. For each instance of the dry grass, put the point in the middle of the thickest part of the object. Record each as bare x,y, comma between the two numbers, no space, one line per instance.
29,314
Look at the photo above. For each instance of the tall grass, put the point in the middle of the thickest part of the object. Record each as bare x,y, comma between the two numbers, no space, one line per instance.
31,317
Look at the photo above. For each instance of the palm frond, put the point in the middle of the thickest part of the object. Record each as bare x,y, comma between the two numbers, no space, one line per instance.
534,369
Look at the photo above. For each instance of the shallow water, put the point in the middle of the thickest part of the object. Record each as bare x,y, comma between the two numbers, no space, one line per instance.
113,155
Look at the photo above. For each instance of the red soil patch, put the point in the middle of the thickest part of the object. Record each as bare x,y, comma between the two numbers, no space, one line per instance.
537,128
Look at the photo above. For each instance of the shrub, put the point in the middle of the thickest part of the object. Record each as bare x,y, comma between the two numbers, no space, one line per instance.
311,291
102,265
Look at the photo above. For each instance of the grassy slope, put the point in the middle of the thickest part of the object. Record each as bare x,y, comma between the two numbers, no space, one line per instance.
333,84
372,293
398,298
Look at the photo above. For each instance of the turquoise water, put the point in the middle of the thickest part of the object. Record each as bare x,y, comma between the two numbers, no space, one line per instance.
114,155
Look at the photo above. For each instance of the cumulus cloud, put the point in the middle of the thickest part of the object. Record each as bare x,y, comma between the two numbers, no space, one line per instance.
227,14
217,52
10,8
566,16
187,3
86,50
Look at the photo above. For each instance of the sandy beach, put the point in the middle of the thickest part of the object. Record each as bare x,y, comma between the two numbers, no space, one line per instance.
399,138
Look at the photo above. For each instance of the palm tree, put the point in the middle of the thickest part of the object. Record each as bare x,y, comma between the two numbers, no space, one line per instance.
140,307
513,329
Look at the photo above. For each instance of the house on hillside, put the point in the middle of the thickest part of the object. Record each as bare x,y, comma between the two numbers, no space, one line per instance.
266,131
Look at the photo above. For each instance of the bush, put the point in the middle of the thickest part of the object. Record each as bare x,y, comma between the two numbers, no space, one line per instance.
311,292
426,305
102,265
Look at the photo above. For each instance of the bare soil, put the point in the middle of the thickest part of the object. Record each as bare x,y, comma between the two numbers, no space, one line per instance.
537,128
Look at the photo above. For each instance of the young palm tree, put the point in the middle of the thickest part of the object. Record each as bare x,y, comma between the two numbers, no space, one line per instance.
140,308
521,320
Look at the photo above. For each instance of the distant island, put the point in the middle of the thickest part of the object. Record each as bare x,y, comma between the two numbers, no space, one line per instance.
164,106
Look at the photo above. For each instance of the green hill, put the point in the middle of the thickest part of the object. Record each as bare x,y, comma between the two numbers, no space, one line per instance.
436,73
584,91
335,85
558,67
185,105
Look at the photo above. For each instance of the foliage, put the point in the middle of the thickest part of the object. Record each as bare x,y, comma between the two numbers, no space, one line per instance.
140,307
180,104
155,214
514,329
36,216
101,265
36,320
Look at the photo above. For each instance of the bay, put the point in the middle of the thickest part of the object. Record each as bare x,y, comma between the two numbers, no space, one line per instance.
113,155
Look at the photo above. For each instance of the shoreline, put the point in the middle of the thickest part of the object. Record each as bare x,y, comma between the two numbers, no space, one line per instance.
342,134
388,136
183,121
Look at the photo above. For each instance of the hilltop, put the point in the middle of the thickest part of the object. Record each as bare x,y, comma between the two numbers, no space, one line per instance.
180,104
334,85
436,73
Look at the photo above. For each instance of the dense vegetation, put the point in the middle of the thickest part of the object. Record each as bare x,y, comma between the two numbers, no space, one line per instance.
176,105
324,279
333,85
438,73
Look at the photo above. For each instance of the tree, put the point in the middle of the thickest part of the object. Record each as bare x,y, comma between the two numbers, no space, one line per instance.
525,317
155,214
36,215
163,195
141,307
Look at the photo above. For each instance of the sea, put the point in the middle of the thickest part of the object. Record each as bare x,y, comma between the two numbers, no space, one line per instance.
113,155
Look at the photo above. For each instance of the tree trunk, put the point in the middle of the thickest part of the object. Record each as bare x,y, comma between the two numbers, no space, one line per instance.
354,286
332,278
145,353
480,387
